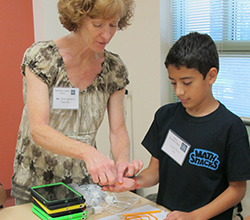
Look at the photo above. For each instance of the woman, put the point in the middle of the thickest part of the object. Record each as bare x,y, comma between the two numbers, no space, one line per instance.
59,122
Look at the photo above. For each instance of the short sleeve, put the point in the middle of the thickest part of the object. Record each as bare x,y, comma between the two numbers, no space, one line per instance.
43,59
238,166
151,140
115,71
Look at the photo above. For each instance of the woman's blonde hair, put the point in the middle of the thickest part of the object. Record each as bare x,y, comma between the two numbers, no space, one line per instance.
72,12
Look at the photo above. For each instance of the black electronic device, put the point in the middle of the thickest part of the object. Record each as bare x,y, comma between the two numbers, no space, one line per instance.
56,195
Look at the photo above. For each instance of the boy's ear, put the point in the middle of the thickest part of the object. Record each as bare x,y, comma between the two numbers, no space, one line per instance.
212,75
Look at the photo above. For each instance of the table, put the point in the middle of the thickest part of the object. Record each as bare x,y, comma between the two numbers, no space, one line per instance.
23,212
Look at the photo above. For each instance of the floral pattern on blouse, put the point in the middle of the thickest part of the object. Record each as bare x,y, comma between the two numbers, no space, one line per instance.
33,165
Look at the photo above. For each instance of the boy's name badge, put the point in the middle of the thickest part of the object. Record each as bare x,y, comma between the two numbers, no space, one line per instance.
175,147
65,98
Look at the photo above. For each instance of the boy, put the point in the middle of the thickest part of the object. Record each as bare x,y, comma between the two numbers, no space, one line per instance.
199,148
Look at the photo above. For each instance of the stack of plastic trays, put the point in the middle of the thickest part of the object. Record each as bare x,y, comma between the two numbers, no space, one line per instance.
57,201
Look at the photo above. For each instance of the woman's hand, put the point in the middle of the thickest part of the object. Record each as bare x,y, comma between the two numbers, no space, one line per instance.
102,169
128,169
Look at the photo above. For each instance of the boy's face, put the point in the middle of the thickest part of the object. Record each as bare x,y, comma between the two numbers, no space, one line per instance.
194,92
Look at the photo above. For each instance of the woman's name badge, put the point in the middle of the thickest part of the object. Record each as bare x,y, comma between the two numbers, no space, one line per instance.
175,147
65,98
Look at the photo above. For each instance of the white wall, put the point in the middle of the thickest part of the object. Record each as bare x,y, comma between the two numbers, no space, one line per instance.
46,20
140,48
143,47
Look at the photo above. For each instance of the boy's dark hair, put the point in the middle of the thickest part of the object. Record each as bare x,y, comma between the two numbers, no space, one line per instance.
196,51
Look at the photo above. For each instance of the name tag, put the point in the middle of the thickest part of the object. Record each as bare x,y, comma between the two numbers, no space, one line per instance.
175,147
65,98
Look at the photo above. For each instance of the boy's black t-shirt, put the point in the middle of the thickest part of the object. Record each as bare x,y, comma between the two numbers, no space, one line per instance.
219,153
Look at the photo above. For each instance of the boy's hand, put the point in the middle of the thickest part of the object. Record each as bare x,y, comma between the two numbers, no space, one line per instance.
180,215
126,185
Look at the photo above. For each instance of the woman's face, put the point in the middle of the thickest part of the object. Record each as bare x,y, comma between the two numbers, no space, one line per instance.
98,32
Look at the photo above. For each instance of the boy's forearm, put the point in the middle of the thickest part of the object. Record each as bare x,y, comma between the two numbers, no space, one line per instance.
229,198
149,176
146,179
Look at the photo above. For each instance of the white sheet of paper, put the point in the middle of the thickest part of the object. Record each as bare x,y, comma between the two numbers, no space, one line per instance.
176,147
146,208
65,98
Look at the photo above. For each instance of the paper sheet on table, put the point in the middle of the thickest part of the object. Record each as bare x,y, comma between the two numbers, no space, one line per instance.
161,215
